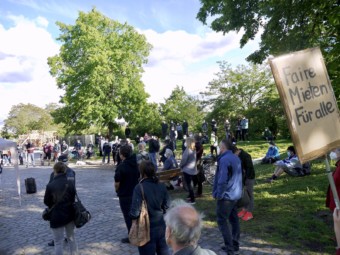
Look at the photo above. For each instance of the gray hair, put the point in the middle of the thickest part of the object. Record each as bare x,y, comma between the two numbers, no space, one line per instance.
168,153
184,230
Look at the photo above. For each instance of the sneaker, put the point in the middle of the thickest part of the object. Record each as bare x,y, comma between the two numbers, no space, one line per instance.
223,248
247,216
191,202
51,243
241,213
125,240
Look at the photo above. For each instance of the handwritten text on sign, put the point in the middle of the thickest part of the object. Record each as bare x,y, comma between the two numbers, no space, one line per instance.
309,102
299,95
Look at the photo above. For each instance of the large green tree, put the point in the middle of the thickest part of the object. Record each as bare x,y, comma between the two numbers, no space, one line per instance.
285,26
180,106
244,90
23,118
99,66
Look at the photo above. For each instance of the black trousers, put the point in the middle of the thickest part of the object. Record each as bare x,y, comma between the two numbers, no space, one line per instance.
125,205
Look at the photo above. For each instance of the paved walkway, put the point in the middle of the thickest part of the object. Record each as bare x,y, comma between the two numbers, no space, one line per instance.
23,232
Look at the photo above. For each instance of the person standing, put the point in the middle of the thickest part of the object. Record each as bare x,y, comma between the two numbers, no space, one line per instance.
227,129
173,137
127,132
185,128
248,173
179,131
107,151
164,129
244,126
188,166
60,194
64,149
204,127
199,178
29,153
47,148
157,200
213,143
126,178
213,126
183,229
238,135
153,150
227,190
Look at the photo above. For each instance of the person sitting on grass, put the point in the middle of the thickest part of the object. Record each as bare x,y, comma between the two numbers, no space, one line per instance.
272,154
291,165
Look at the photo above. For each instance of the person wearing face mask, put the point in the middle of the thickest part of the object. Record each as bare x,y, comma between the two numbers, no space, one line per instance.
335,156
291,165
272,154
267,134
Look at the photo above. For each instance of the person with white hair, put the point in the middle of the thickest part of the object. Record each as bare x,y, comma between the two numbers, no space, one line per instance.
170,162
183,229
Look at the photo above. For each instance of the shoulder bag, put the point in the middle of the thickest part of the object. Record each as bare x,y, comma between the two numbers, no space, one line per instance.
139,233
81,215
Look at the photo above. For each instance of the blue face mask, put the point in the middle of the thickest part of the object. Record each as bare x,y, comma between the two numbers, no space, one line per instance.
288,153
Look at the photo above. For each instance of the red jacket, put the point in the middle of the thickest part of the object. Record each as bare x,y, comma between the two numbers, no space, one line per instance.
330,199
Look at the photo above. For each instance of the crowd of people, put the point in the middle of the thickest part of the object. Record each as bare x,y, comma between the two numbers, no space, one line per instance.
176,225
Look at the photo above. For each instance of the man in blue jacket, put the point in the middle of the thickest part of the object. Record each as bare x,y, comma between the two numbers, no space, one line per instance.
227,190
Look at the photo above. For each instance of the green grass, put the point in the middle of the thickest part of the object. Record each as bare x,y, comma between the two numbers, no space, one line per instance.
289,213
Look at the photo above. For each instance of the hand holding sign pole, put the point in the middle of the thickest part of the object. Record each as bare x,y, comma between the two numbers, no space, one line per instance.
309,103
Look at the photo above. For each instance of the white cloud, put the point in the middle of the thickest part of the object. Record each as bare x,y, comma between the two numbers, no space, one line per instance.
24,76
188,60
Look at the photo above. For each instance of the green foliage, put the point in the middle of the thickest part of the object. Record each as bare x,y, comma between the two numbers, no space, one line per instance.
285,25
23,118
249,91
99,67
148,121
179,106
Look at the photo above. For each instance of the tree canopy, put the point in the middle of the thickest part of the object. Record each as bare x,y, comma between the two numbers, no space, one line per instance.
99,67
284,25
23,118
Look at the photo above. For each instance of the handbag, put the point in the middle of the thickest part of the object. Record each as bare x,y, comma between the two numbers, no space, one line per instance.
47,213
139,233
244,200
81,215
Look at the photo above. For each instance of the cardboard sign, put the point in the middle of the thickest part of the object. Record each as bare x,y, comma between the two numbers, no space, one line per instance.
309,102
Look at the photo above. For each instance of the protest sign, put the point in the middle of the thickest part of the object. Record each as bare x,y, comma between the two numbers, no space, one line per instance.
309,102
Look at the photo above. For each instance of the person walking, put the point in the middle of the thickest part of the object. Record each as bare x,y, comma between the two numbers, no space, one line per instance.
188,166
126,178
60,195
227,190
157,200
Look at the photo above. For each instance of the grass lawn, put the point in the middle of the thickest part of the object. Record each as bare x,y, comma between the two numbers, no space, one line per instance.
289,213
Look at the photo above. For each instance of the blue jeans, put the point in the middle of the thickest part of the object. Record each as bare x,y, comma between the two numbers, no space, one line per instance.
157,244
152,157
106,154
227,210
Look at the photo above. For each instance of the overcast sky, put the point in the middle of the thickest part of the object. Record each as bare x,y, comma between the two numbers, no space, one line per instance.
184,51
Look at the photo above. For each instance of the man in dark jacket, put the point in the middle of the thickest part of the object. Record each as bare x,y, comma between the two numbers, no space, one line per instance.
127,132
153,150
60,195
71,176
107,151
199,178
248,174
164,129
185,127
126,178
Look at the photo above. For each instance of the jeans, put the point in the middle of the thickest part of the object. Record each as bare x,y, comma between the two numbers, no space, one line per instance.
125,205
188,181
244,134
152,157
226,210
106,154
58,236
30,158
157,244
